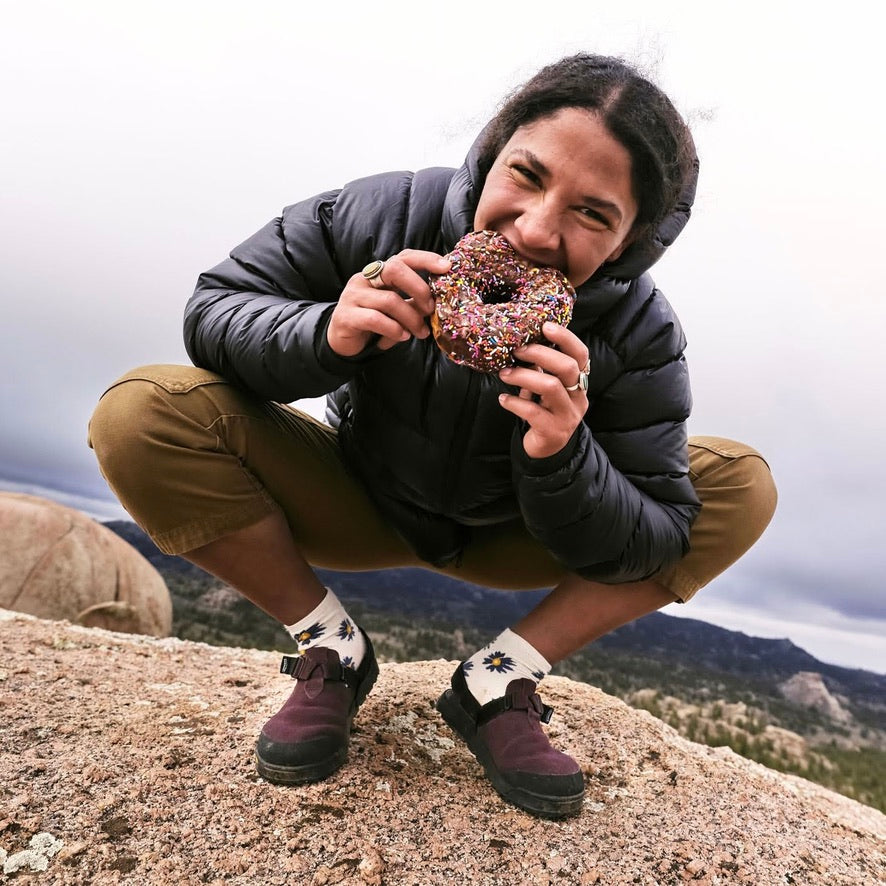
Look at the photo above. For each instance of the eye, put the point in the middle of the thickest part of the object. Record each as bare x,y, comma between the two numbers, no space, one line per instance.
594,215
526,173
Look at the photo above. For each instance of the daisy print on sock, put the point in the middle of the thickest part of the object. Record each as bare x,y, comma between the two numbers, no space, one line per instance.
347,661
346,630
498,663
308,635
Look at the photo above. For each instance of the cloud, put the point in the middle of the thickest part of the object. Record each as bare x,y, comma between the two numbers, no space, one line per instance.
100,509
148,140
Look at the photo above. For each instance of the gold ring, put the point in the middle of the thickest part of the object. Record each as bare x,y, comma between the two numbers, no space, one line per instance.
372,273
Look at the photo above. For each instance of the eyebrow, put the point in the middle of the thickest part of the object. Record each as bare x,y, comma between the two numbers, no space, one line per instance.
541,169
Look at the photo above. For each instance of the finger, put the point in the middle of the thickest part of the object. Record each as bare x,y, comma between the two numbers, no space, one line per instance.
420,260
549,361
398,277
407,313
401,273
567,369
528,410
404,311
374,322
386,342
543,437
567,342
543,384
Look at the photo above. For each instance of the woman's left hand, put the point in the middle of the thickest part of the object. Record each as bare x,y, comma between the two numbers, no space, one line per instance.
544,402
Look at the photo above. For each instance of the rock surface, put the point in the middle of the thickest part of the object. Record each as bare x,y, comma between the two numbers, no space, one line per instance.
135,754
56,562
808,689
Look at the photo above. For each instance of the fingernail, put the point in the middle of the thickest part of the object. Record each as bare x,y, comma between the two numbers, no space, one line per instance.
502,398
505,373
549,327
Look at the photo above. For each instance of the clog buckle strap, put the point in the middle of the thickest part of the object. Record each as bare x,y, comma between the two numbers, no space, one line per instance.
509,703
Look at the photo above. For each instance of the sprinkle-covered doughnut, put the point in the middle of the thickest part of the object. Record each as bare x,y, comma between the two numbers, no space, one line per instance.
492,301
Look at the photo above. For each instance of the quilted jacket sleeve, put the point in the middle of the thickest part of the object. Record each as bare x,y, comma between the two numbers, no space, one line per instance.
259,318
616,504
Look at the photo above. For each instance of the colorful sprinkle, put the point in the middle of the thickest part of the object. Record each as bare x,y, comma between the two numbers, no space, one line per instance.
492,302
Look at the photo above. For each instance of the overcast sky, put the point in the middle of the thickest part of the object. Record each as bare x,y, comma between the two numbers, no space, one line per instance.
140,142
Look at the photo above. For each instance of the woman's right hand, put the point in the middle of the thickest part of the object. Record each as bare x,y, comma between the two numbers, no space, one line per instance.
394,313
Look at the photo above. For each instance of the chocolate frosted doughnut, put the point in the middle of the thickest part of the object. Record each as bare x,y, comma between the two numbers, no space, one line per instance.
492,302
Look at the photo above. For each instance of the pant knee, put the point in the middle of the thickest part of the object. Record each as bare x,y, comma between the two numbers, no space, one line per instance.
163,438
121,419
139,414
738,497
734,476
760,494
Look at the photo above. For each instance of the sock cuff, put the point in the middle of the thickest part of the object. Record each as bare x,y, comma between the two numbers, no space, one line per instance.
524,651
329,604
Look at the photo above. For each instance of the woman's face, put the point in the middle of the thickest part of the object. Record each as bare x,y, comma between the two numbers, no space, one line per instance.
560,192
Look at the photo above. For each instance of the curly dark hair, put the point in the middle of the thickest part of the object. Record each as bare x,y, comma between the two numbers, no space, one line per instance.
637,113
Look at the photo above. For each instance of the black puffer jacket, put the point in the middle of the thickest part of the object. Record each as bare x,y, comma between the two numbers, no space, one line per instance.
436,451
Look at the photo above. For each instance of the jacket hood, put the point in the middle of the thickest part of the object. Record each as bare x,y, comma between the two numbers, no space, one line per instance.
467,185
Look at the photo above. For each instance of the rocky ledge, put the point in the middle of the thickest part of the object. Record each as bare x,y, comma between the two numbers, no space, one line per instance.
127,759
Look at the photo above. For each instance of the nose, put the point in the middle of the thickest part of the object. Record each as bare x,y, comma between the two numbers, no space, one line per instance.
539,230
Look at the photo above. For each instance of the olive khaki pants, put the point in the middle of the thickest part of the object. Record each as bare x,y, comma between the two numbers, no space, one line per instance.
193,458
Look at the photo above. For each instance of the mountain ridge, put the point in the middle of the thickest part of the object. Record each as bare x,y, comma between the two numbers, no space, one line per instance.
688,641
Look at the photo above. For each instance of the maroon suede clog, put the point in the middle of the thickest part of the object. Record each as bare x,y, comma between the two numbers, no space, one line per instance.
506,737
307,739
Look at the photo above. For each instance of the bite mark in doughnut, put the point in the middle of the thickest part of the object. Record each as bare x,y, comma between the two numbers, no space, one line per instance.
492,302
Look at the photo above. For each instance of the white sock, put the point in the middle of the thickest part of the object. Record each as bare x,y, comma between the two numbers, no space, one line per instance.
508,657
330,626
